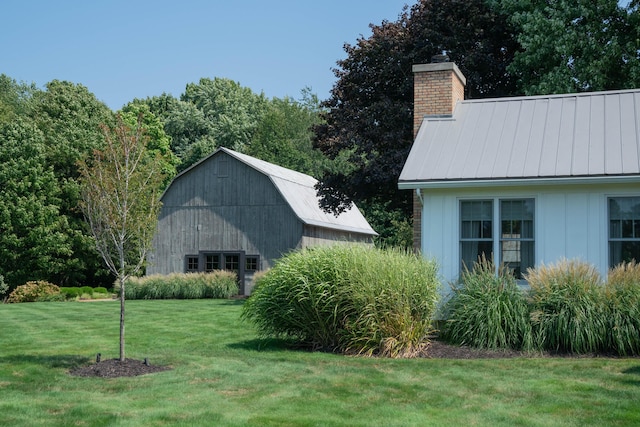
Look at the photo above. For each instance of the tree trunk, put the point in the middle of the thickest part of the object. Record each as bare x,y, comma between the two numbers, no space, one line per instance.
122,319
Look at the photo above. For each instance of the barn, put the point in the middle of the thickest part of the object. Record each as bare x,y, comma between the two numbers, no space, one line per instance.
234,212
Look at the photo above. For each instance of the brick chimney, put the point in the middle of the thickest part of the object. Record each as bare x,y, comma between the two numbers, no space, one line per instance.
437,87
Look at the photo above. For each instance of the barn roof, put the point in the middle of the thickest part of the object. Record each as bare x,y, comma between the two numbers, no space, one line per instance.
299,192
593,136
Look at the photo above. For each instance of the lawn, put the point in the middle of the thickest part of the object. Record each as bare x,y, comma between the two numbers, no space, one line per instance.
223,375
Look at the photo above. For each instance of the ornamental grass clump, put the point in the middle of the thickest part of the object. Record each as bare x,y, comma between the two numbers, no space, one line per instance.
568,310
623,298
216,284
347,298
487,310
390,303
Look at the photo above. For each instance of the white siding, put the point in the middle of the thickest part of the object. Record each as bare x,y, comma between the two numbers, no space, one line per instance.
570,222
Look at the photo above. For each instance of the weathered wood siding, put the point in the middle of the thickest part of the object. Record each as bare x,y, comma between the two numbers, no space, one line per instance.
319,236
223,205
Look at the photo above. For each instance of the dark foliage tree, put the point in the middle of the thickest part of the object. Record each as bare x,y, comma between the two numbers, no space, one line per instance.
575,45
369,117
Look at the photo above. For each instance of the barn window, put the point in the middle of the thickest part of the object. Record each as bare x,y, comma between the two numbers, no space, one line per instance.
212,262
251,263
513,242
192,263
231,262
624,230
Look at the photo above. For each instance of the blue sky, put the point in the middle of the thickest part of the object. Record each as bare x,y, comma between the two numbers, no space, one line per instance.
126,49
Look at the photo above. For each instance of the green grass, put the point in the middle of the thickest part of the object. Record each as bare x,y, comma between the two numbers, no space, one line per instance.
223,375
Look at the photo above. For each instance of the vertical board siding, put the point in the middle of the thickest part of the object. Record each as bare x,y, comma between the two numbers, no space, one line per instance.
570,222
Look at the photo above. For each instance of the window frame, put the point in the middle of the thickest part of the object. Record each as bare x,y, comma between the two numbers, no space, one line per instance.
635,229
497,238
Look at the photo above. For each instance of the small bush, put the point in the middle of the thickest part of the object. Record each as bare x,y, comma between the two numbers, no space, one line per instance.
217,284
347,298
568,310
100,290
33,291
3,287
70,292
623,298
87,290
488,310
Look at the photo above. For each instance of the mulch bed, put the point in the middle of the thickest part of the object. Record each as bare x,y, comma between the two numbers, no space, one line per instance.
114,368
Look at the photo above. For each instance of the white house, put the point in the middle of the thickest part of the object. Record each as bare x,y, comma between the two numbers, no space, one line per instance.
529,180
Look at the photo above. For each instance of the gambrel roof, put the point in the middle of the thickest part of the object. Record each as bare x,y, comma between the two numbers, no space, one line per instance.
557,138
299,192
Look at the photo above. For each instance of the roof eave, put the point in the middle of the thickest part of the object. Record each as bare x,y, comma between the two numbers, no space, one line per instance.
511,182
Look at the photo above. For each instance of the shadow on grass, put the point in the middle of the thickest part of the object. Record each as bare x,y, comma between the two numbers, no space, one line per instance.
634,370
66,361
267,344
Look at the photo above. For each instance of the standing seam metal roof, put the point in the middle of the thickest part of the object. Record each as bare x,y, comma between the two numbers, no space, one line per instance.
575,135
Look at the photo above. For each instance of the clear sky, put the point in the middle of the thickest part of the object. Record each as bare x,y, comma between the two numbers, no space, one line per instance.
126,49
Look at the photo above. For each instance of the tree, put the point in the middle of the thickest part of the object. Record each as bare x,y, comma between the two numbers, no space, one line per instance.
369,117
232,110
575,45
34,237
121,200
159,141
284,135
69,117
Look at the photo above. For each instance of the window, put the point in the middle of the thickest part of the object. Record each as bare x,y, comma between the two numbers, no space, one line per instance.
624,230
516,235
192,263
212,262
515,245
251,263
476,233
231,262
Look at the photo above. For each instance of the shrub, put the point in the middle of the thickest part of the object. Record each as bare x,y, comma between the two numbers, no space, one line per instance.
100,290
70,292
3,287
33,291
216,284
568,310
87,290
347,298
623,298
488,310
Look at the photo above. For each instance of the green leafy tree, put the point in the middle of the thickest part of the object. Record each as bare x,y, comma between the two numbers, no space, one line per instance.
121,188
34,237
159,141
15,98
232,110
69,116
284,135
575,45
369,113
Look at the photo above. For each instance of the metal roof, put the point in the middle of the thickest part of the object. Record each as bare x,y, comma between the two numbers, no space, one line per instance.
586,135
299,192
